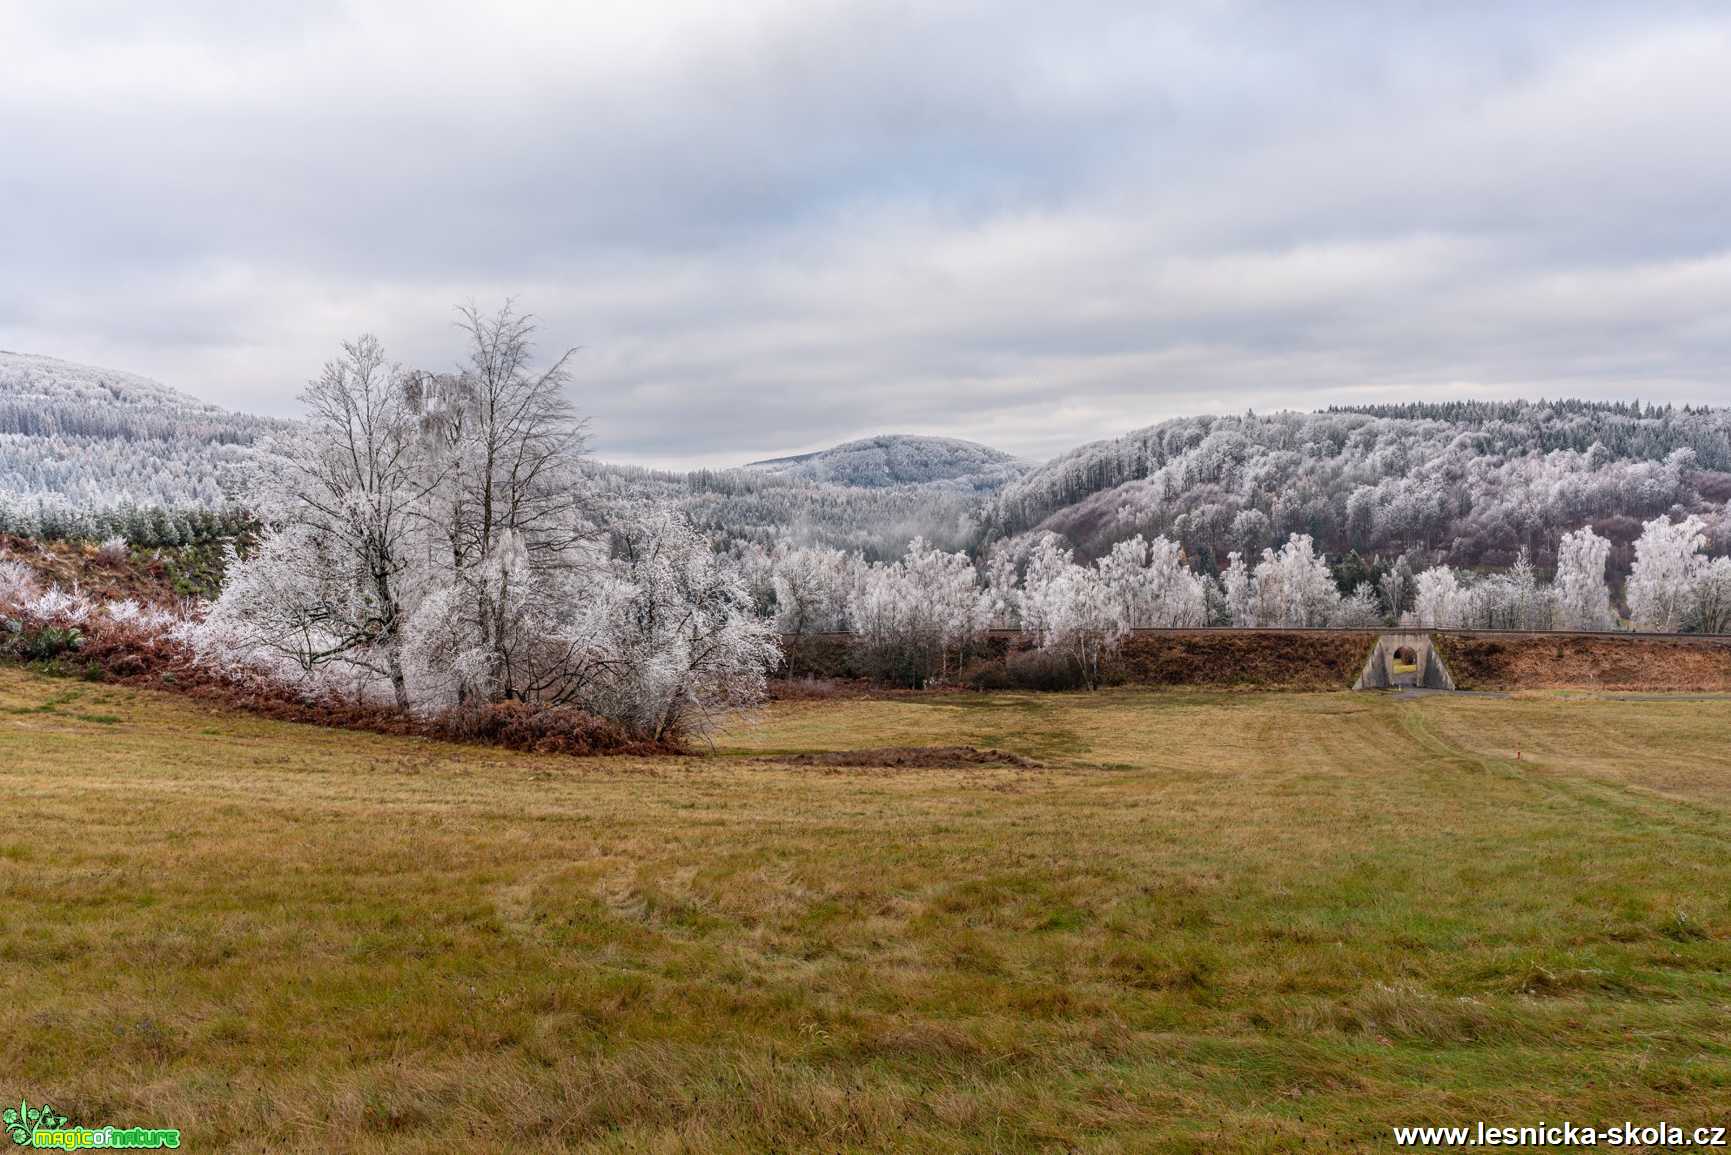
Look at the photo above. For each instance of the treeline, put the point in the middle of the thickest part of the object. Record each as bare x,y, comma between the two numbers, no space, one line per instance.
47,397
919,618
88,453
87,474
1474,486
55,519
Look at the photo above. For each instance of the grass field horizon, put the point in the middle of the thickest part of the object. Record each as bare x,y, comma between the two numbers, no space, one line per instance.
1203,921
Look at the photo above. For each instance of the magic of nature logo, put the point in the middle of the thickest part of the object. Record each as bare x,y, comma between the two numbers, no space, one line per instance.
44,1128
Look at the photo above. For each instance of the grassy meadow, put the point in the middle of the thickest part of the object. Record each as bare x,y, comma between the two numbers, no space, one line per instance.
1205,922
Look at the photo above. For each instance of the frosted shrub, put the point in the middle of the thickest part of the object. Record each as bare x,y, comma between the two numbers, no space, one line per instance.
58,606
149,619
18,582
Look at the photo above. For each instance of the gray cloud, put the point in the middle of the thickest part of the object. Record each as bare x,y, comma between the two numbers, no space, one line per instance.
775,227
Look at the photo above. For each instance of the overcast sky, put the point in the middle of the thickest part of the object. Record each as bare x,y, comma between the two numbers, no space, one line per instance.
777,226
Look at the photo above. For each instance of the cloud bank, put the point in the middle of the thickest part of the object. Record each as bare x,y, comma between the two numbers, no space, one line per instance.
774,226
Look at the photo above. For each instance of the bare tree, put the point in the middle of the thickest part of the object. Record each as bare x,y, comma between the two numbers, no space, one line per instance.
433,532
351,485
507,508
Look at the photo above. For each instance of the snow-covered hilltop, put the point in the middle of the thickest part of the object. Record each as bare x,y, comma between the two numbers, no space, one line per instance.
902,459
85,449
46,397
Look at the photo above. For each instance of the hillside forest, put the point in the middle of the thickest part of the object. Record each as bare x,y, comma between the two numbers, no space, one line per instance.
438,541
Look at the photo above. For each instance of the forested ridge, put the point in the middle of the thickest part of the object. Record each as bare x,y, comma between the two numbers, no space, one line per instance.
88,452
96,453
1469,483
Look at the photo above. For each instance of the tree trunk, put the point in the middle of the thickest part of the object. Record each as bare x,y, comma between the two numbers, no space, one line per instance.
399,684
390,613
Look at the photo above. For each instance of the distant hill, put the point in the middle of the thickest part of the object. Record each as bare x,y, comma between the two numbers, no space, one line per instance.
77,440
901,459
89,452
1470,483
47,397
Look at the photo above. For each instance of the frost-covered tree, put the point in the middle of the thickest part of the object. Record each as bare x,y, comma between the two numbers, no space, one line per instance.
1397,588
811,590
1042,576
1067,609
957,607
1439,600
1294,586
1582,597
1531,604
1148,586
540,641
1239,590
434,537
682,645
339,501
913,613
1250,529
1515,600
1361,609
1003,590
1711,609
1668,563
296,605
503,453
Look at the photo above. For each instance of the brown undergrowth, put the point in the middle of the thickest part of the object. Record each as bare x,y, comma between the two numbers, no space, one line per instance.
1537,662
168,576
104,650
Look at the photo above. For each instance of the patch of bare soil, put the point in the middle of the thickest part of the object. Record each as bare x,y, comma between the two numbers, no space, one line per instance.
913,758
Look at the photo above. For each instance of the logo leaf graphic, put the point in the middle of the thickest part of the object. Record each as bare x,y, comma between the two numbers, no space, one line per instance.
24,1119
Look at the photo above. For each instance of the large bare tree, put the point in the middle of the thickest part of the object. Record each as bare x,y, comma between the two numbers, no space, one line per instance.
507,496
351,485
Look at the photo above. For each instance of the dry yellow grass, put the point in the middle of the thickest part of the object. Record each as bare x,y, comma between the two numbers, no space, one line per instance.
1211,922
